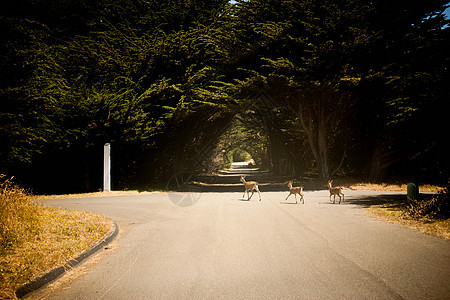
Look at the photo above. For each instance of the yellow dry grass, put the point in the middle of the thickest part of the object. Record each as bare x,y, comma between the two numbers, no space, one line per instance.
35,239
365,186
97,194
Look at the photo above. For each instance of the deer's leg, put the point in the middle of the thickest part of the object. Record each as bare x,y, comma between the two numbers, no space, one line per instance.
287,197
251,195
257,189
243,196
343,198
303,199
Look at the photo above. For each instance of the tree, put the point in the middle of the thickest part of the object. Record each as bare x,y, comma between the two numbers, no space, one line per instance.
305,54
117,78
162,79
322,58
405,71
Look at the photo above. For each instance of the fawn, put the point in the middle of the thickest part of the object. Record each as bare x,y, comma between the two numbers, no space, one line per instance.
295,191
250,186
335,191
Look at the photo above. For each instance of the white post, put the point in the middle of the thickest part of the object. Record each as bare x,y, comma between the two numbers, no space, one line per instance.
107,167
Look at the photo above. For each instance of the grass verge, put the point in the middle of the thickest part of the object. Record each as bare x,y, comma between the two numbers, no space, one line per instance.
35,239
365,186
396,212
98,194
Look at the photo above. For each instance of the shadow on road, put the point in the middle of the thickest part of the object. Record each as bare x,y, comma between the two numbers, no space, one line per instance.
290,203
366,202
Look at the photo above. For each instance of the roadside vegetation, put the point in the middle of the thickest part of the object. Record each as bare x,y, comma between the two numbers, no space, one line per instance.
430,214
438,207
35,239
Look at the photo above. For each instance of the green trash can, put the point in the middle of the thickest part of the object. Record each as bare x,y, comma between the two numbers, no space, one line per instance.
412,192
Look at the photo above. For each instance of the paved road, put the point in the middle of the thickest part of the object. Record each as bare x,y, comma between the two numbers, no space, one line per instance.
226,248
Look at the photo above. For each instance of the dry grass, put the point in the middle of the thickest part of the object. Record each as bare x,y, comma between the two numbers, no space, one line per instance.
356,184
19,216
97,194
35,239
428,215
427,188
396,213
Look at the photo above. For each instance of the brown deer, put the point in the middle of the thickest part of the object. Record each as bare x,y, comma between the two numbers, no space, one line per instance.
250,186
335,191
295,191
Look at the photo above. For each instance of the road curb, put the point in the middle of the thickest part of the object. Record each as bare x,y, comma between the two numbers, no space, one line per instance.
54,274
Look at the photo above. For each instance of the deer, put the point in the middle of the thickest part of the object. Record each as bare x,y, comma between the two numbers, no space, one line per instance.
295,191
250,186
335,191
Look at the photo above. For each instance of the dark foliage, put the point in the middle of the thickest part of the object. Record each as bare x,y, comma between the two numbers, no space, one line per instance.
354,87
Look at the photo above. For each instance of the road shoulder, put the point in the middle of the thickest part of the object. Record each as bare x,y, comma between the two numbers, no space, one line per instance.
56,273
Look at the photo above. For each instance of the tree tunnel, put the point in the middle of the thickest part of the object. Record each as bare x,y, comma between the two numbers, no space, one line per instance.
289,137
211,139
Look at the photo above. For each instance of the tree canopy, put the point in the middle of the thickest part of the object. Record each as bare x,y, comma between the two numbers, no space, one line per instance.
355,87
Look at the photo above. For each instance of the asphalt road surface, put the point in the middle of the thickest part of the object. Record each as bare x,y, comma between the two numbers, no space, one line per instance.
225,248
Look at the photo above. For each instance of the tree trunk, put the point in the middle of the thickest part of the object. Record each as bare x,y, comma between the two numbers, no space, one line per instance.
317,135
322,112
276,149
322,145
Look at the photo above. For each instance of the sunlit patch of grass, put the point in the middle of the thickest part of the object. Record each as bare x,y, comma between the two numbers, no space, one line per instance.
367,186
19,216
99,194
35,239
